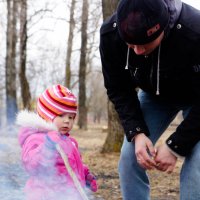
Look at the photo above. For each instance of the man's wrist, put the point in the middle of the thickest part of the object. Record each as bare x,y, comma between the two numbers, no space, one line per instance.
133,139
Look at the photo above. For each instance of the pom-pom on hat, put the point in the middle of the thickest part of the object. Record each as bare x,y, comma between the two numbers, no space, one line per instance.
141,21
55,101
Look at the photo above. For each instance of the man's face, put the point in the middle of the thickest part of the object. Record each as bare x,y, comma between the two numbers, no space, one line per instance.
146,49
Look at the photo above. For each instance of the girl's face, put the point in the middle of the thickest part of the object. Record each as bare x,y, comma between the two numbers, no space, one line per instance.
64,122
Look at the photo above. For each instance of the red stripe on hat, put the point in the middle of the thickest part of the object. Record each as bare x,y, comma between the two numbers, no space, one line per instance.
51,111
60,90
43,115
60,102
49,106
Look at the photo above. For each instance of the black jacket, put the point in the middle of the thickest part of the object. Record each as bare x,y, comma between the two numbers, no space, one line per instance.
179,76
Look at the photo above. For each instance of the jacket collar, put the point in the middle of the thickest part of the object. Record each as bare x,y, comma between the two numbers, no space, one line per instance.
174,7
26,118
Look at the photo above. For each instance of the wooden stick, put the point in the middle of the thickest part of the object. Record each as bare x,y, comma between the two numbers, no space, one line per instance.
71,173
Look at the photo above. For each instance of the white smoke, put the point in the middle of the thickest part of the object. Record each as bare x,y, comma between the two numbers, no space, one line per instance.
12,176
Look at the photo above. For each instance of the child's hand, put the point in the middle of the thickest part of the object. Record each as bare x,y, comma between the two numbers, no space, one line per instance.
91,182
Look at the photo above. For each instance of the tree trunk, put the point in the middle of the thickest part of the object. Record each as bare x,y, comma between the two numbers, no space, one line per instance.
82,121
11,101
115,135
69,45
25,92
108,7
115,131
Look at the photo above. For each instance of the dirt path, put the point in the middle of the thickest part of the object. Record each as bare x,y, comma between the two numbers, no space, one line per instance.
104,166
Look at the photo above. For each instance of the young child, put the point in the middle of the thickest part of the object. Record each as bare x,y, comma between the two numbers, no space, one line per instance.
38,135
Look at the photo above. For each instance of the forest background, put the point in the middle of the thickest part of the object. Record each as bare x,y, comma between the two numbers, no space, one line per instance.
48,42
45,42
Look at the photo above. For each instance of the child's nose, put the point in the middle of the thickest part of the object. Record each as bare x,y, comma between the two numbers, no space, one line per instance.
66,119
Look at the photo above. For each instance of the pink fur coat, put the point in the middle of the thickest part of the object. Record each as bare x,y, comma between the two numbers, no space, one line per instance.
48,177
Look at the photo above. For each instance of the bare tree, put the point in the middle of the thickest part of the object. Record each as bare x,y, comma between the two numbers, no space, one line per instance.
82,120
11,40
69,45
115,131
108,7
25,91
97,103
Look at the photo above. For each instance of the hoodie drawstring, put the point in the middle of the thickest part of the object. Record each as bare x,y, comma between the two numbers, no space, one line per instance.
127,58
158,69
158,73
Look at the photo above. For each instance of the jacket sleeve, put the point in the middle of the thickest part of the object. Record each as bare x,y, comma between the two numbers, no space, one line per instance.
36,157
187,133
121,88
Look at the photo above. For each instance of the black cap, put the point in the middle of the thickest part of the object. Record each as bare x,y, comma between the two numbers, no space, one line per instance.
141,21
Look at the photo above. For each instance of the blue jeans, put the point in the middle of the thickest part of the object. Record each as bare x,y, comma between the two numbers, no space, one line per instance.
134,180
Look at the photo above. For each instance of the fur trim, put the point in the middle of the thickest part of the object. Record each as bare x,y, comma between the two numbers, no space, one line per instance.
26,118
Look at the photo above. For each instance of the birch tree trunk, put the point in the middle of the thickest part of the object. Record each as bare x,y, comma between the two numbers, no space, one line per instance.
82,120
69,45
11,100
25,92
115,135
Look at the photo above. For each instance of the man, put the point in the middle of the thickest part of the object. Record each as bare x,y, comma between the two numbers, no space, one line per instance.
154,45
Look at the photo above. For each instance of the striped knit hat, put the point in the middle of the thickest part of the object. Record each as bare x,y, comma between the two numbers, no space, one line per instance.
55,101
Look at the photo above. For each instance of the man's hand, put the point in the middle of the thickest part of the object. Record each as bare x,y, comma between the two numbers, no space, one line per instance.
165,160
144,151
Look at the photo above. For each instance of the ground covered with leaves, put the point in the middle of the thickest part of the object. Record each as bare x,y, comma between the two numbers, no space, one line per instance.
104,166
